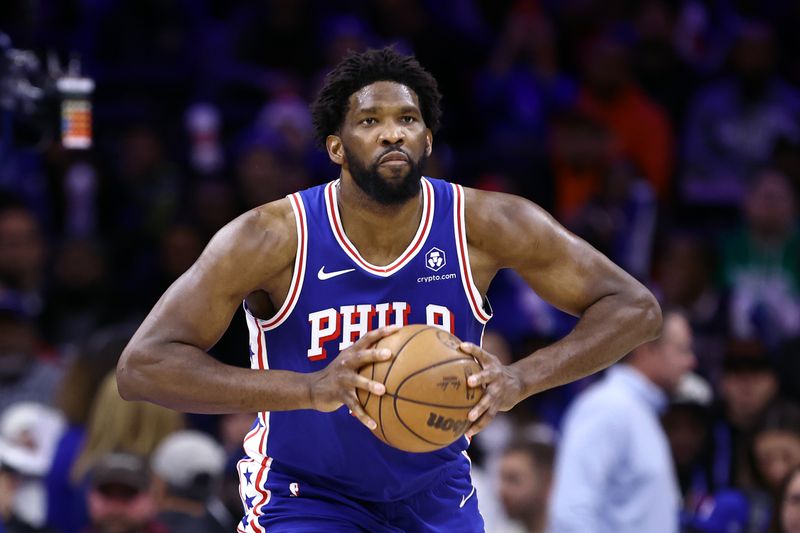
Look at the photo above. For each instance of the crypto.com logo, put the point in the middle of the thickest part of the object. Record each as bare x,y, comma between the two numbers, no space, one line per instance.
435,259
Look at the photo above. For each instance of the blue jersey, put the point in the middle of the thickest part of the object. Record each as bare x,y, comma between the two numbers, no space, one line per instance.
336,296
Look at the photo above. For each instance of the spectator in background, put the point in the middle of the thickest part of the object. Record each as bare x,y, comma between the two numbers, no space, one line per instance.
581,153
686,424
75,395
610,95
775,452
747,387
761,264
522,87
119,497
685,273
620,220
660,70
614,471
80,295
264,172
28,436
23,254
27,371
787,519
188,468
776,446
119,426
526,471
733,126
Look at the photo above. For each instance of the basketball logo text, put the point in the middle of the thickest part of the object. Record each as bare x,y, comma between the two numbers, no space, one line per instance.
449,381
437,421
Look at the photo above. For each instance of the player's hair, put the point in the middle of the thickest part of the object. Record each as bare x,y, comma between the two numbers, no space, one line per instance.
358,70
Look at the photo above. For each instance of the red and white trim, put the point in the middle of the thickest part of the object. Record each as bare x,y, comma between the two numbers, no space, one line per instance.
425,224
474,296
299,265
262,494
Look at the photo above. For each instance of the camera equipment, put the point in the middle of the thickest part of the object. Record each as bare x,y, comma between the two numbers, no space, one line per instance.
38,103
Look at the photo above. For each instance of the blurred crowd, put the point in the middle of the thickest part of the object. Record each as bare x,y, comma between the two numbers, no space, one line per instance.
665,133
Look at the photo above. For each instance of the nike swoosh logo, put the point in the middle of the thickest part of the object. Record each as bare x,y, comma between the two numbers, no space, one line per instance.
322,275
467,497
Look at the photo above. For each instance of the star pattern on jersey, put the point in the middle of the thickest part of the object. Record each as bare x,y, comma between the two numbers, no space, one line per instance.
248,502
247,475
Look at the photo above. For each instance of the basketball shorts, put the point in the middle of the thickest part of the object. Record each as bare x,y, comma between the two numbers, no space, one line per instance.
449,505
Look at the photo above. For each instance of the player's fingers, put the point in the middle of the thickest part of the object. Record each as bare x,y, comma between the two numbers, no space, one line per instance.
374,336
481,407
483,357
357,411
480,424
484,377
360,382
361,358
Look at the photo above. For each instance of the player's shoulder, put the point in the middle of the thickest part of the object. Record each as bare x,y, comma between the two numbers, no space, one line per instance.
494,215
266,230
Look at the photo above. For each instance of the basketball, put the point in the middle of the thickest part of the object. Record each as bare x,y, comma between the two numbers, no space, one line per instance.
427,399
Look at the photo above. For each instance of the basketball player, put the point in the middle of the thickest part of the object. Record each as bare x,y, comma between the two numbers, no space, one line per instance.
327,272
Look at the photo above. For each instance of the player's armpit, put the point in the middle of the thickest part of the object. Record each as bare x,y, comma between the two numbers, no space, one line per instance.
166,360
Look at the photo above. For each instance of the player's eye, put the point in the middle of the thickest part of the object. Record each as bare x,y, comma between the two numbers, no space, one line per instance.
408,119
369,121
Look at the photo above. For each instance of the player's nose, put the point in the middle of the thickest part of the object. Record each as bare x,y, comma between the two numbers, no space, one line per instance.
392,134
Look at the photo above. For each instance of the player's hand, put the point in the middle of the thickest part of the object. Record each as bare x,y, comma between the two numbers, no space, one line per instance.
503,387
336,384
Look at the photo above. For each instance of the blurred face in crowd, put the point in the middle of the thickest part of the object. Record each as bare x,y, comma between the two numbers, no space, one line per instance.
776,453
686,431
606,68
142,152
746,394
383,142
684,271
17,347
790,507
180,247
754,54
524,486
117,508
667,360
265,175
22,251
770,206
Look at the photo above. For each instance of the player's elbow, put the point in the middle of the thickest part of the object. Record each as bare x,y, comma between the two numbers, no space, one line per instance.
129,382
648,314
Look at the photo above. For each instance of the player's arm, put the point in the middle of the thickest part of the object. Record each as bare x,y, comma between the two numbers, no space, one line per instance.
166,361
617,313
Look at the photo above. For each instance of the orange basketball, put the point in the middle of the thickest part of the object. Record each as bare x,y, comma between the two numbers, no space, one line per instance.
427,399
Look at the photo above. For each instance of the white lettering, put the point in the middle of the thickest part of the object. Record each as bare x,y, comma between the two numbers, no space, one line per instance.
324,327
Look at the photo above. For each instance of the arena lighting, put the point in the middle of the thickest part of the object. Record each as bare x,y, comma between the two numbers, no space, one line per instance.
38,103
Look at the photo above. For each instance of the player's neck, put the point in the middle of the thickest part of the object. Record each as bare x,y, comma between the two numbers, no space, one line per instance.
380,232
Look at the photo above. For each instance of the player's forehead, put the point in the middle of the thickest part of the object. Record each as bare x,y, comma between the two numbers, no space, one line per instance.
383,96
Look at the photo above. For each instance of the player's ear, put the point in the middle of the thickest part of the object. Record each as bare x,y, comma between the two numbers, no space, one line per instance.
428,142
333,143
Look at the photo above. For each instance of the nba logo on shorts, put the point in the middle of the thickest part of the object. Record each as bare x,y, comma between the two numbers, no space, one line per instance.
434,259
294,489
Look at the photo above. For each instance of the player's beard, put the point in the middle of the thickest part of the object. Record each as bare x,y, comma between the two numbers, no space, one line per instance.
381,190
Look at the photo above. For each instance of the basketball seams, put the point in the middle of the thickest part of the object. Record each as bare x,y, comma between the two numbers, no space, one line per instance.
386,376
428,404
440,363
420,437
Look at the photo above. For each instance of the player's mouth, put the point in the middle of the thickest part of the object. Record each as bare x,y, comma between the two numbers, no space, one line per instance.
394,158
